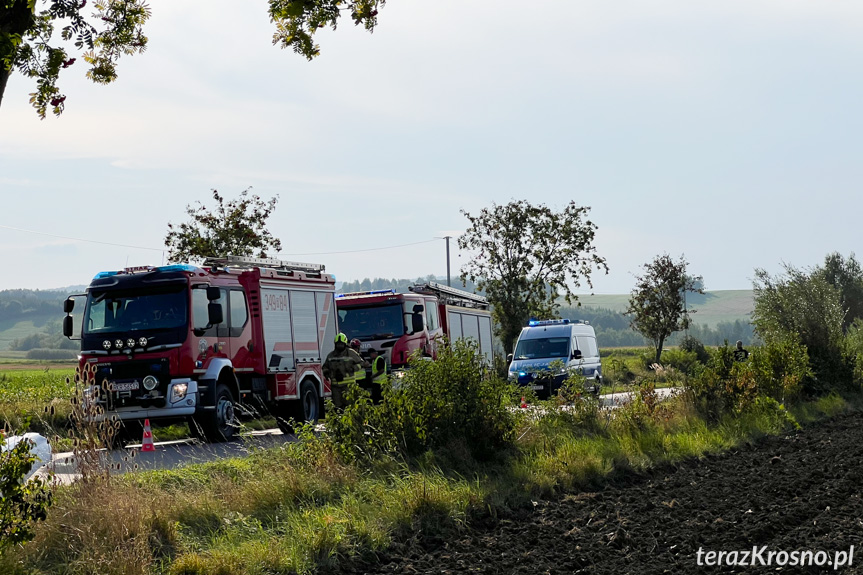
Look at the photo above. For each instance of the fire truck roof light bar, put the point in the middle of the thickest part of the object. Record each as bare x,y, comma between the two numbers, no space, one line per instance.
436,288
264,263
141,269
368,293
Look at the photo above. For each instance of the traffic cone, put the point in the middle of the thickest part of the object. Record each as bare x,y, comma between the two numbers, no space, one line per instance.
523,403
147,440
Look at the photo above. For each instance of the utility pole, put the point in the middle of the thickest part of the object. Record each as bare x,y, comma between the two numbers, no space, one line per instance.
447,261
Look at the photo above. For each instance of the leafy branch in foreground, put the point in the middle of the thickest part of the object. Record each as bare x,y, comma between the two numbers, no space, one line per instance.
28,42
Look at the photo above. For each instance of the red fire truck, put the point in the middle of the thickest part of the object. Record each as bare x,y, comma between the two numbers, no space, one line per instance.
399,324
182,341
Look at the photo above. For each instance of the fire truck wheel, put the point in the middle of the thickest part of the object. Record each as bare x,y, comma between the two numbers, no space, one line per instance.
306,409
219,424
309,406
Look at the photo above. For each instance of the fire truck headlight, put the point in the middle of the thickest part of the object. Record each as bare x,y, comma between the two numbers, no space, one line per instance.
91,396
150,383
106,344
180,391
118,344
142,342
130,343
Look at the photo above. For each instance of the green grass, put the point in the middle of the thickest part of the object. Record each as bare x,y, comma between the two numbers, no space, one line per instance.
15,331
42,385
298,507
713,307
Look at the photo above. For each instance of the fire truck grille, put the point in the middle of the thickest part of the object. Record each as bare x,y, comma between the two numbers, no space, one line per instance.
123,383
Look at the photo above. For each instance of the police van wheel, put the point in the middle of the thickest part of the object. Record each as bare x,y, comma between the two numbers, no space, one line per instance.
219,424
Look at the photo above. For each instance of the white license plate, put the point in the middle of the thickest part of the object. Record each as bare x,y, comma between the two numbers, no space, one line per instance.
537,387
124,386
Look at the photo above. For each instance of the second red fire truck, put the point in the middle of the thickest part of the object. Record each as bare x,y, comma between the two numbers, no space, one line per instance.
401,324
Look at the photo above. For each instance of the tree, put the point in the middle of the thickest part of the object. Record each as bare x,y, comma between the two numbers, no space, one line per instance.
115,28
525,256
656,304
846,275
237,227
804,307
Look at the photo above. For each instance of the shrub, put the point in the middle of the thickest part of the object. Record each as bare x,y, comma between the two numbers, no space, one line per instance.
44,353
852,349
23,503
780,368
437,404
807,308
680,359
694,345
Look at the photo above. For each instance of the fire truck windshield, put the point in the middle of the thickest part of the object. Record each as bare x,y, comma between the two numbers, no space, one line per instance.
124,311
372,322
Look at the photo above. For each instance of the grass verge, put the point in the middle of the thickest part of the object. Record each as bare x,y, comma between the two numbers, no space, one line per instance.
300,507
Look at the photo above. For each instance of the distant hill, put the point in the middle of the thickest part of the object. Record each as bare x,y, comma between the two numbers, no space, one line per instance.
24,313
711,308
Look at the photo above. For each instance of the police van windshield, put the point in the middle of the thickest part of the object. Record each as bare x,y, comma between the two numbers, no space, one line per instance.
372,322
124,311
542,348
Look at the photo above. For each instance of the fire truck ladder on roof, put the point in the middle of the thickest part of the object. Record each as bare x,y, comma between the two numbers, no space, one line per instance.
272,263
451,296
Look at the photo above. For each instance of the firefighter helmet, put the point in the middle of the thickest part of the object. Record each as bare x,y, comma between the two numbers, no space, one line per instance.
355,343
342,338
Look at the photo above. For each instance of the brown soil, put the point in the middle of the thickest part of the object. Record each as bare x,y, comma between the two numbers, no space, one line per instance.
800,491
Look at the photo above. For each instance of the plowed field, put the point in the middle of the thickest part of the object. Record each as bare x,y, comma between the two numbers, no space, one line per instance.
793,493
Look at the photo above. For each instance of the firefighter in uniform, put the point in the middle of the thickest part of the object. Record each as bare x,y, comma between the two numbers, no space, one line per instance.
360,374
340,368
379,373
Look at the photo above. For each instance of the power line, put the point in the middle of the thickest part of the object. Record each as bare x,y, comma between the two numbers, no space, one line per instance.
163,249
366,250
81,239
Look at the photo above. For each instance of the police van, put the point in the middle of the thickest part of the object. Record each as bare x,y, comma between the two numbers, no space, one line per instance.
570,346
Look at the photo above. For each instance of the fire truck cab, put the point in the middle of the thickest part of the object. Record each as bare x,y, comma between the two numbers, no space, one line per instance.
401,324
183,341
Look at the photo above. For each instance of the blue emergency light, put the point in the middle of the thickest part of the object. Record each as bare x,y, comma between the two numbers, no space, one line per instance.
536,322
178,268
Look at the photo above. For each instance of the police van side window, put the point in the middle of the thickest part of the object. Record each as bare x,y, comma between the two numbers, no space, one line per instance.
587,345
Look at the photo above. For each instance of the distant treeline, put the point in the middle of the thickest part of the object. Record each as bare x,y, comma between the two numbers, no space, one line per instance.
23,304
44,308
612,329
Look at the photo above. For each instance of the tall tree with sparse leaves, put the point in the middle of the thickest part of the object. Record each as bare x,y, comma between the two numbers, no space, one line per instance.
104,30
525,257
657,302
236,227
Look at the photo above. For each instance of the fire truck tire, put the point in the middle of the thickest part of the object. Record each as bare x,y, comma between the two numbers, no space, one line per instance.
307,409
219,424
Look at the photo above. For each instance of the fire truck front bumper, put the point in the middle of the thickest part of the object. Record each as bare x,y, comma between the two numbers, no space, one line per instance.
181,400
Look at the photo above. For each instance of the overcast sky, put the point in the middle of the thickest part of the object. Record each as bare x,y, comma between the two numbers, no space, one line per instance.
729,131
